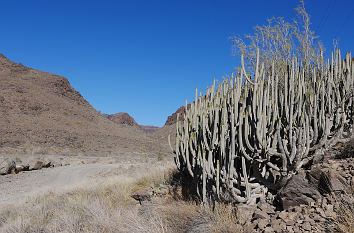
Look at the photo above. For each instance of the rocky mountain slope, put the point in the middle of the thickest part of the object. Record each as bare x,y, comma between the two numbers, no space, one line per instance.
173,118
124,118
42,110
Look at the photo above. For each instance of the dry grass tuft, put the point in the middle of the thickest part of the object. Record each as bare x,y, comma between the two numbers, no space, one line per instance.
344,221
225,219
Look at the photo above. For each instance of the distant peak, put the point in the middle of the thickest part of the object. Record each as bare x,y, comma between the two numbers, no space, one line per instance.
122,118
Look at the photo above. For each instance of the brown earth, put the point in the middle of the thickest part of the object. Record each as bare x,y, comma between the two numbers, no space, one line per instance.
42,110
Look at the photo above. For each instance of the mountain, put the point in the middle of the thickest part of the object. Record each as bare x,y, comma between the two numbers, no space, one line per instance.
172,119
42,110
124,118
149,129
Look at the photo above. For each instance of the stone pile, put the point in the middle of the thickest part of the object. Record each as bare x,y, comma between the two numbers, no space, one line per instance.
309,202
316,217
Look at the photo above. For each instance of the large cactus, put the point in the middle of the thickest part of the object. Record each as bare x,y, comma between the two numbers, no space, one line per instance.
246,135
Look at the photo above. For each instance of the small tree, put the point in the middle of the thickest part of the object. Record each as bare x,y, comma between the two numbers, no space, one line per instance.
279,41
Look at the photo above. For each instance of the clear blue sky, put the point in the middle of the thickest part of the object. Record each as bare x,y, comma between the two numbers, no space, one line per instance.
147,57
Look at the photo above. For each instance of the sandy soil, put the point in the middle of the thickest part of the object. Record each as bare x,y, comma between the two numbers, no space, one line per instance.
20,187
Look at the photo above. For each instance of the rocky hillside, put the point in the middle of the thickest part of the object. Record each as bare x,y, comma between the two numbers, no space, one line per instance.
149,129
173,118
124,118
42,110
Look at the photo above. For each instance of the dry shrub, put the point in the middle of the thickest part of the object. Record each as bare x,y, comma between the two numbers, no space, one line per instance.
344,221
225,219
179,215
148,223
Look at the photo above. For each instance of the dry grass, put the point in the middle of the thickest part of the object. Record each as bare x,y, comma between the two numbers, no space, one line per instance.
107,207
344,221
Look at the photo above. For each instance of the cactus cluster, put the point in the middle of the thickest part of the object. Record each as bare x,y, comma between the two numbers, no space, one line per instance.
246,135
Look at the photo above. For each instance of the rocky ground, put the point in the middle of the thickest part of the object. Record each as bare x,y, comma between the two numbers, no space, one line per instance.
317,199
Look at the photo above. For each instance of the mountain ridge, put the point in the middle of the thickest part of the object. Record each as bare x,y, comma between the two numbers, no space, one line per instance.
40,109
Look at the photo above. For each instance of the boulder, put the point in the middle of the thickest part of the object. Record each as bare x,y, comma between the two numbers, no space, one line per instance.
47,163
328,180
19,168
262,223
297,191
266,207
260,214
7,166
142,194
245,213
36,164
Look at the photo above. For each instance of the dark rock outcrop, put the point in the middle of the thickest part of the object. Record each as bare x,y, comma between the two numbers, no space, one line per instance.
173,118
297,191
123,118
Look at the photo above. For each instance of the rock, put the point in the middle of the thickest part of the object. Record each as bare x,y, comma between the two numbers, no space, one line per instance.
247,228
337,182
47,163
317,218
262,223
266,207
279,226
329,208
268,229
260,214
297,191
328,181
56,163
289,229
315,176
289,218
283,215
35,164
306,226
321,212
245,213
7,166
142,194
19,168
25,167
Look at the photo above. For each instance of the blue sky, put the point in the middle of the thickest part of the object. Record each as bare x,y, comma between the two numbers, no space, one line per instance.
146,57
